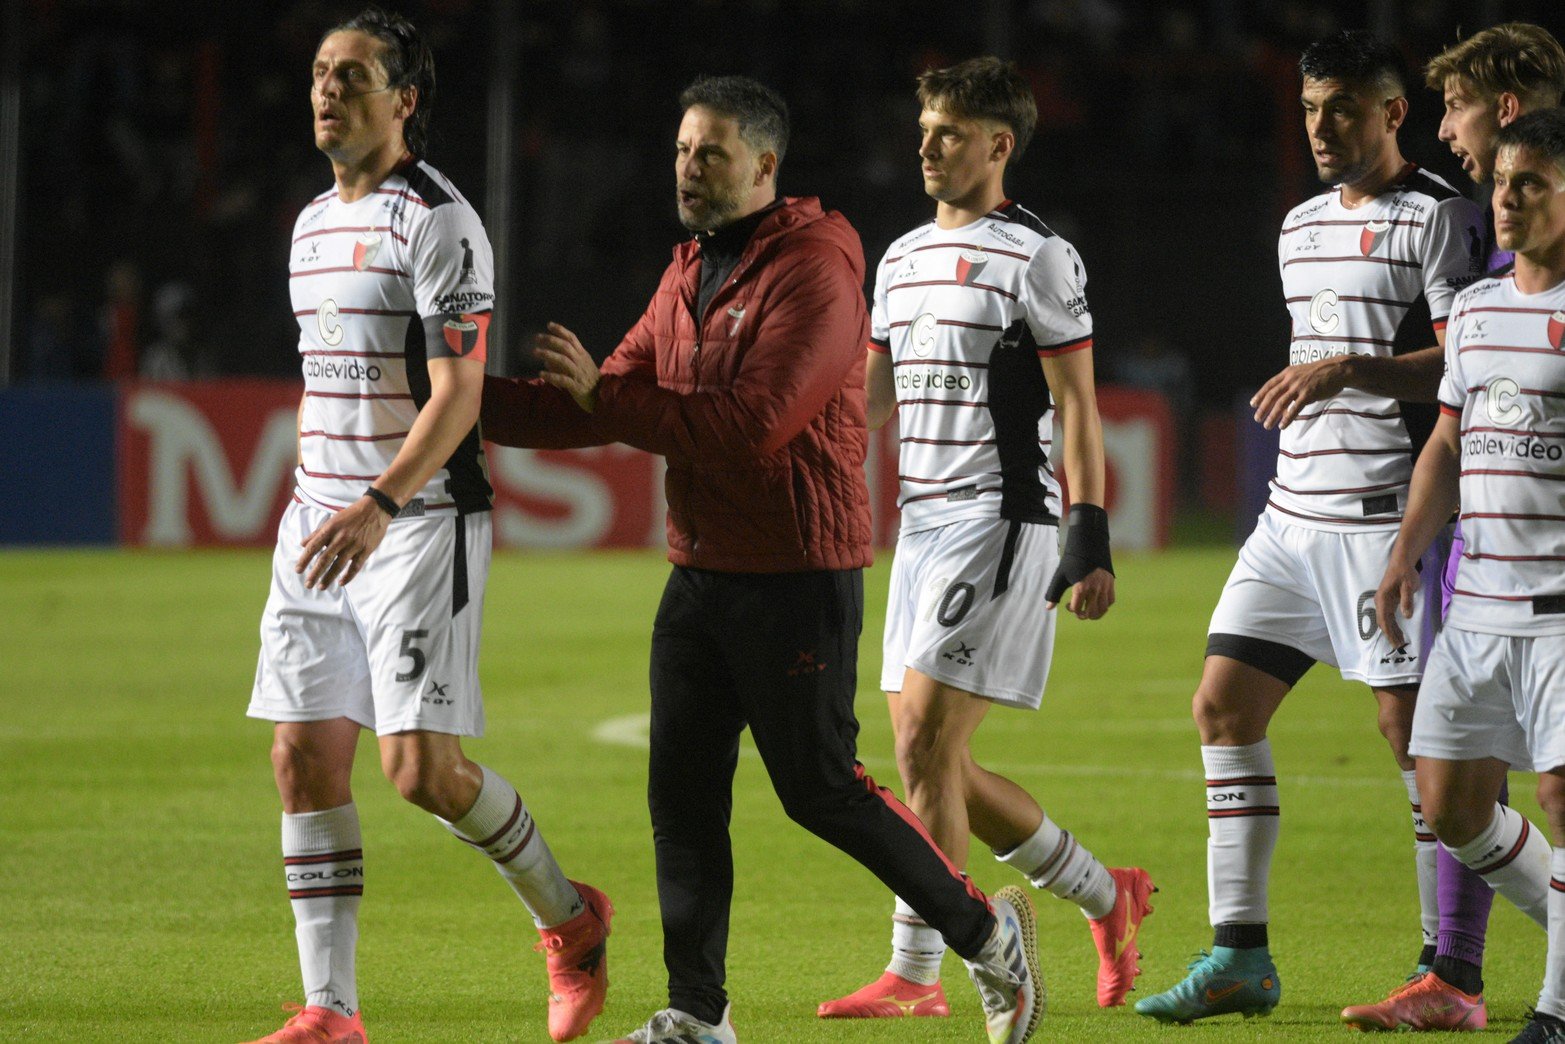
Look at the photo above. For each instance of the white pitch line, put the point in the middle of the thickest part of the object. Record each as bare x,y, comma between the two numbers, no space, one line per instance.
634,730
628,730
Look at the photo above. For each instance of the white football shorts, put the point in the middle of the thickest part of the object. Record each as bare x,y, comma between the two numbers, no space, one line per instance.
1314,590
396,649
966,608
1493,696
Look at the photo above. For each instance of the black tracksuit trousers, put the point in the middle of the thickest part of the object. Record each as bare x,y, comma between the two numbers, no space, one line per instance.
777,652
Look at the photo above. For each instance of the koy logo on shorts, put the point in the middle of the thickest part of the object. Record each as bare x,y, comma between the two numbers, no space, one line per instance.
963,654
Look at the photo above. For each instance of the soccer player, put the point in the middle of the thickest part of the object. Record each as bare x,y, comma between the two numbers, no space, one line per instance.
980,328
1354,261
1487,81
746,373
378,577
1496,676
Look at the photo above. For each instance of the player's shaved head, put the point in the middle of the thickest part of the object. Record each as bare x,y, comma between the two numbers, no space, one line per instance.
1358,58
1542,133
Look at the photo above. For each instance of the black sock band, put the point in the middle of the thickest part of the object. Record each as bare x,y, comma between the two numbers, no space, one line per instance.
1240,936
1464,975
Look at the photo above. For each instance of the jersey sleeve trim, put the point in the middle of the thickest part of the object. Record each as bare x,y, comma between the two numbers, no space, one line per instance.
1451,411
875,344
1048,351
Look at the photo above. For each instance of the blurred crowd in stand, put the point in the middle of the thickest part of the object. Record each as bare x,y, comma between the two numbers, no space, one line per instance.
167,150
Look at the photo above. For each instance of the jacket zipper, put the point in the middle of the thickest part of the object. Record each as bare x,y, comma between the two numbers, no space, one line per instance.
700,320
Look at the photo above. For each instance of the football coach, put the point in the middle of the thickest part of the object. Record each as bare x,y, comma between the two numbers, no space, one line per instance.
747,373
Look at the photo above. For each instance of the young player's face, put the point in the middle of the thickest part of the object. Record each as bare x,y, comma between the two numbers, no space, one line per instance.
1529,201
957,154
1349,127
355,111
1469,127
715,171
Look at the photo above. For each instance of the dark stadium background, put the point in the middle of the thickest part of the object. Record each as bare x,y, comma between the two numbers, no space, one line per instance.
157,153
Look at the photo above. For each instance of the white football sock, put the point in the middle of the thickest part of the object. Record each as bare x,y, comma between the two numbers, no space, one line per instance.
500,826
1552,1000
323,860
1241,824
1056,862
1426,851
1512,856
916,948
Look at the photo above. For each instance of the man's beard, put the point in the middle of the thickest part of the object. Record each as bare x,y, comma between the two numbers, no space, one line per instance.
717,210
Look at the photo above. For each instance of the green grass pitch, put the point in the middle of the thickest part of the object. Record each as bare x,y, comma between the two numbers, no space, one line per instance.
141,900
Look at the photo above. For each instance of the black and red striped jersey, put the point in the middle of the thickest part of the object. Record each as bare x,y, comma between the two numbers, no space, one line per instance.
1505,382
965,314
379,287
1352,277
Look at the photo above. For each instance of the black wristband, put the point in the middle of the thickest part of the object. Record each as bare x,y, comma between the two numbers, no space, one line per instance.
1088,536
1089,516
390,507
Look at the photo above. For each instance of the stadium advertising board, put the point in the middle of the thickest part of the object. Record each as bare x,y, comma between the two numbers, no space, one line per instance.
211,464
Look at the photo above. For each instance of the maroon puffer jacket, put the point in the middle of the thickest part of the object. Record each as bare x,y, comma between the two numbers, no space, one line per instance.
759,408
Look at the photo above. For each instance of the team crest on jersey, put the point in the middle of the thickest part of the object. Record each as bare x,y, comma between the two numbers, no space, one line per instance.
464,333
1373,235
365,249
1557,329
968,264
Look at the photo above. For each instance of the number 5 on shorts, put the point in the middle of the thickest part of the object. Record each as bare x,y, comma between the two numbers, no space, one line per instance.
413,653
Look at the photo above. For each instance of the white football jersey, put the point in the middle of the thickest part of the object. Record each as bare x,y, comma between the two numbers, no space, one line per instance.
1351,278
1505,381
380,286
965,314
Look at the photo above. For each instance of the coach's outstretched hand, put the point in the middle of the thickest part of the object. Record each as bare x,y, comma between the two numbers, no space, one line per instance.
1281,398
567,365
1085,564
343,543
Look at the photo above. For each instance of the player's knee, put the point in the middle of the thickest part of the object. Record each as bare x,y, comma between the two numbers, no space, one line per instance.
421,780
1551,799
1398,734
1223,718
306,780
1453,822
927,754
410,779
290,764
